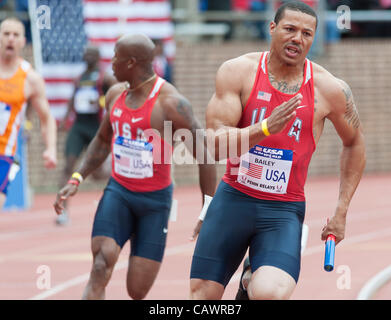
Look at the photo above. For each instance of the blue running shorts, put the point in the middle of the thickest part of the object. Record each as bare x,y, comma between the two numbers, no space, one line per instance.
235,222
5,166
141,217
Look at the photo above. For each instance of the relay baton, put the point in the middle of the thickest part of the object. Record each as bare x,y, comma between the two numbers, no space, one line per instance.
329,253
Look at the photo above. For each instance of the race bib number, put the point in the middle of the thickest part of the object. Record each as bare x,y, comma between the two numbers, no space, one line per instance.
5,111
133,158
266,169
86,100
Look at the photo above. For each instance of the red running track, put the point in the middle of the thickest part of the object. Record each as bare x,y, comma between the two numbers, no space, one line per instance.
31,243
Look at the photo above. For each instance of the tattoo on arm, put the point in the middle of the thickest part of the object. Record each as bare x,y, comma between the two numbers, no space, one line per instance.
199,141
184,109
351,114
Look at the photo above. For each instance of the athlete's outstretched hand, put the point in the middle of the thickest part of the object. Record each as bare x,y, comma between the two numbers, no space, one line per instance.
49,158
281,115
69,190
335,226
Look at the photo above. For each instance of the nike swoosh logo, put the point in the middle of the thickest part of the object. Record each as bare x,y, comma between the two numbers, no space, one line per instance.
300,107
137,119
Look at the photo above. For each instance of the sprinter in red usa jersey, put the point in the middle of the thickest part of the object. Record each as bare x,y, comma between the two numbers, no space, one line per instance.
137,200
276,103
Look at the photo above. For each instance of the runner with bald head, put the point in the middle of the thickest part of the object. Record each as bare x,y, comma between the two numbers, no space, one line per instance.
20,84
140,47
136,203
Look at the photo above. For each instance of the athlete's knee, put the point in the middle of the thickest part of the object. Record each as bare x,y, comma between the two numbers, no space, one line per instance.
270,289
101,269
103,265
205,290
137,292
270,283
195,288
142,273
138,285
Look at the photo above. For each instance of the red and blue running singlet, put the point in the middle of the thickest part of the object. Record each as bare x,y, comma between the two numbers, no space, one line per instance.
141,158
276,168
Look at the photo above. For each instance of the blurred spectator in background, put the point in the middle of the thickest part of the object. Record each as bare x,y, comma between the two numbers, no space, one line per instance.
333,34
380,29
23,7
161,65
87,105
385,4
203,5
218,5
257,28
222,5
259,5
5,5
365,29
241,5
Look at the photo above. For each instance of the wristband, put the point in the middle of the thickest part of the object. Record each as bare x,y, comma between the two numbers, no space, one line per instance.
265,130
74,181
207,200
77,176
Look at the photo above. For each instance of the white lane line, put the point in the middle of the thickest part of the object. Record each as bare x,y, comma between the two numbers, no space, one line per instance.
351,240
373,285
320,248
84,277
184,247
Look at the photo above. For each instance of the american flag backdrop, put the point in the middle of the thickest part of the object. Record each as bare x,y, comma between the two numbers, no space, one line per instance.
74,23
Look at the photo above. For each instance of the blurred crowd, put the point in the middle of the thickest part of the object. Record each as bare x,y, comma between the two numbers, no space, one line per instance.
358,29
365,29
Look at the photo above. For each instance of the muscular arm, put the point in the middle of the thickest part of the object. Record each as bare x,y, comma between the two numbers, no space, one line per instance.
225,110
97,151
346,121
179,111
40,104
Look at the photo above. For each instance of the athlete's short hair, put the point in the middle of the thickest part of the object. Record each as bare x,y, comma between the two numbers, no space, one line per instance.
15,19
295,6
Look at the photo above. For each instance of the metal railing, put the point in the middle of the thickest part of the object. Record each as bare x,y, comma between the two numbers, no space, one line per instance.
24,16
182,15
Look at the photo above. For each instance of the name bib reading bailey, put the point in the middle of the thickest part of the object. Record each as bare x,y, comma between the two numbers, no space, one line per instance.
266,169
133,158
